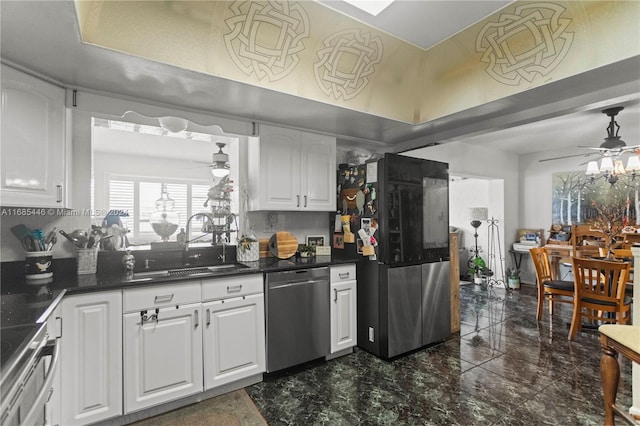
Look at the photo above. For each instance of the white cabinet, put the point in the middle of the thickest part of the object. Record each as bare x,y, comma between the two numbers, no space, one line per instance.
32,148
343,307
52,409
91,357
292,170
234,331
162,344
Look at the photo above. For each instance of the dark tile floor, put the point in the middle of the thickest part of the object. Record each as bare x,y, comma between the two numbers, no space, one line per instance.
504,368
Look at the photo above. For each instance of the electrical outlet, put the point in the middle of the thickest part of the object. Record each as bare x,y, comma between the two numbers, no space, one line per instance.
272,222
371,334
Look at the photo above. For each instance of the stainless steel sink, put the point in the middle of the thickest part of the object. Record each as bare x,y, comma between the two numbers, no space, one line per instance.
186,272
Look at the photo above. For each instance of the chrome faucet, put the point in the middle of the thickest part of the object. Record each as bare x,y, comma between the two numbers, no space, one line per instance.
203,215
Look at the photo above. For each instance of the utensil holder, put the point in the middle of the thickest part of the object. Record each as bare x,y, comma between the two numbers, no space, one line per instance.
37,265
87,261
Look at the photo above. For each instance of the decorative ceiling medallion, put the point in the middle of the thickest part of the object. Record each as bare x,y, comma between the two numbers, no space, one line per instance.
346,63
266,37
529,42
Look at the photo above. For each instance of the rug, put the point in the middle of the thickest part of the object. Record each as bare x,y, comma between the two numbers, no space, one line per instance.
230,409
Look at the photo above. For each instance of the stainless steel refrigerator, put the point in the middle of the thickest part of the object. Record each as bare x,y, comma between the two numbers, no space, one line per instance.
404,294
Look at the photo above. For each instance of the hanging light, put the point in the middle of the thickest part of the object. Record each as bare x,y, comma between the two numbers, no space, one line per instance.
220,163
611,166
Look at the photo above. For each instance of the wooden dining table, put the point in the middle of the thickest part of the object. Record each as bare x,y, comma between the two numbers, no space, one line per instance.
616,339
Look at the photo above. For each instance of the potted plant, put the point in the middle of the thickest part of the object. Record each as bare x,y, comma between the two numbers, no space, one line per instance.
477,269
514,278
307,251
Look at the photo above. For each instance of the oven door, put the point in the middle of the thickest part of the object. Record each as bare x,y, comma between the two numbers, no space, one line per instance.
28,396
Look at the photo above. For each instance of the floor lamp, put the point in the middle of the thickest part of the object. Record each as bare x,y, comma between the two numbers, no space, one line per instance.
477,216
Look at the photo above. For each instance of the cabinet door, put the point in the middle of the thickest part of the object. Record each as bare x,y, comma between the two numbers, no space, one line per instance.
234,339
343,316
318,172
33,142
163,357
91,358
279,177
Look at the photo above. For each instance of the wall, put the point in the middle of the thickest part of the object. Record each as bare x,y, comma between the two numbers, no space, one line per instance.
300,224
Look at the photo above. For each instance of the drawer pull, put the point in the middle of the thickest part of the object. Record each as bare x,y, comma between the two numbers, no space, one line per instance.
208,317
343,276
165,298
234,288
335,299
196,318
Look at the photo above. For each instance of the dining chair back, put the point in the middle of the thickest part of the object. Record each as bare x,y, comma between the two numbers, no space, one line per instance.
549,288
599,294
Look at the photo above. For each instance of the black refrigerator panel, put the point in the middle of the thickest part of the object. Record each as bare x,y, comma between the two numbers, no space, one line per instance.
413,210
389,309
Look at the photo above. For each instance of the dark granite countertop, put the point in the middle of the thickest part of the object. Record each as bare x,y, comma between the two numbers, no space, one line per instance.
26,302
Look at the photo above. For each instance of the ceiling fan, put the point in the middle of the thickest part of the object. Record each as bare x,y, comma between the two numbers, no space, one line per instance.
613,146
219,164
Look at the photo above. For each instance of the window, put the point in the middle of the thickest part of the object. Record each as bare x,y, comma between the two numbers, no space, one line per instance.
137,196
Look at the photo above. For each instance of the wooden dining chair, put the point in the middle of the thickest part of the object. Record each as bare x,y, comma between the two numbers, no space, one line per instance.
599,293
548,288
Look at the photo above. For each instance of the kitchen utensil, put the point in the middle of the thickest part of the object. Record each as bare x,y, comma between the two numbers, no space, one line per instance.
77,239
283,244
29,243
38,236
21,231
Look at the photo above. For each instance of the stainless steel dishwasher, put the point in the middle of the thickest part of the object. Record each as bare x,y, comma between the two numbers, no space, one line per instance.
298,323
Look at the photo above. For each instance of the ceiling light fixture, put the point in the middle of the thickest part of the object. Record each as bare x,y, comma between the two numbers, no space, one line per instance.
611,167
372,7
220,162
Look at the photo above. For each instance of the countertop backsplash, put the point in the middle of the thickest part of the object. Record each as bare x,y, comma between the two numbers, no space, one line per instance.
264,224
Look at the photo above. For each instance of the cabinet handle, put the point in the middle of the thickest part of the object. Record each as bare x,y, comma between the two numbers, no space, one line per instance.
298,201
208,317
196,318
343,276
58,193
234,289
165,298
335,298
305,201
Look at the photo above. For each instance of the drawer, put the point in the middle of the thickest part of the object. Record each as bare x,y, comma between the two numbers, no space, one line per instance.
343,273
136,299
240,285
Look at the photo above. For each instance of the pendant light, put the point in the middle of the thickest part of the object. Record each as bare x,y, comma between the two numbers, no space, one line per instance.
611,166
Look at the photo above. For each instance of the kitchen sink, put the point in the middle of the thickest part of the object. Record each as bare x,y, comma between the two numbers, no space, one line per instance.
187,272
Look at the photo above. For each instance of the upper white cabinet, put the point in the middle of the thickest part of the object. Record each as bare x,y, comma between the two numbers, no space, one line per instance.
292,170
33,145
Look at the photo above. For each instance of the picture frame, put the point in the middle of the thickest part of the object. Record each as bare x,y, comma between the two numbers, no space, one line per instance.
338,241
315,240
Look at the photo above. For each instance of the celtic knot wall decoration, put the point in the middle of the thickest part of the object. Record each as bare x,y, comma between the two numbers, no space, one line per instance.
346,63
265,38
529,42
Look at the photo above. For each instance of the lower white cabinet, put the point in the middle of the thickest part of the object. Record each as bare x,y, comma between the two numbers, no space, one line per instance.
91,358
162,346
234,330
343,307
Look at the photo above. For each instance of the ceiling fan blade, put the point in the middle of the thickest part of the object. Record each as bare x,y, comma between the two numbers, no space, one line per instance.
566,156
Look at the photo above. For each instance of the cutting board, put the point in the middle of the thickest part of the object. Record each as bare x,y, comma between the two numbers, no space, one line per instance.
283,244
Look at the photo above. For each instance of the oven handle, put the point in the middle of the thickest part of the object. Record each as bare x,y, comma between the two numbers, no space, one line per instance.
40,400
